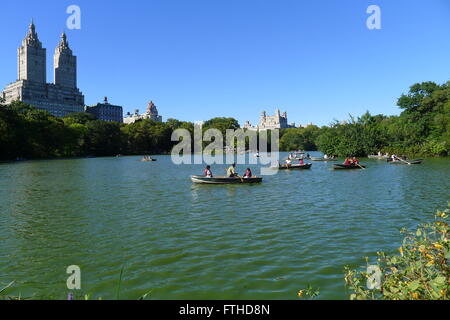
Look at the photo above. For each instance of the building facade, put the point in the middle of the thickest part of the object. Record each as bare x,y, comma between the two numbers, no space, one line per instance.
106,111
151,113
59,98
277,121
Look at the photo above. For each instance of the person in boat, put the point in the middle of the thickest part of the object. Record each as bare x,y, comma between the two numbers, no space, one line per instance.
355,161
231,172
288,162
347,162
207,172
248,173
302,162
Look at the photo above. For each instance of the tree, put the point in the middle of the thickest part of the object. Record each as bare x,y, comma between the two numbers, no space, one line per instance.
299,138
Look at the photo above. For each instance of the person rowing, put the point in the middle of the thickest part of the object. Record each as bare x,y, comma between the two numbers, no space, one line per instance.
231,172
347,162
355,161
207,172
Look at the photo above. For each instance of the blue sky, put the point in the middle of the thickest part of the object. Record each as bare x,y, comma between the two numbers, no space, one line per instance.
205,58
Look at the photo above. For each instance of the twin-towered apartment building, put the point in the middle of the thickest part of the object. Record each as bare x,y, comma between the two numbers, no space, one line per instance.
59,98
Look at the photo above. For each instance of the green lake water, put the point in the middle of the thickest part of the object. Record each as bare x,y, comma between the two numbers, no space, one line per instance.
185,241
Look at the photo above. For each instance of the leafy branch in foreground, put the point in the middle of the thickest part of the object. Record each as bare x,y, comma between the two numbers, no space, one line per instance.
420,272
308,293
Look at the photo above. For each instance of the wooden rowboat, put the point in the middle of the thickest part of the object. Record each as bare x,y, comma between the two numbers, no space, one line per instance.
377,157
224,180
407,162
305,166
347,167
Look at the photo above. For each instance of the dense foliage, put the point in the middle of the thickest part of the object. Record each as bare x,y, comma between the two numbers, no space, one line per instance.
420,272
422,128
29,133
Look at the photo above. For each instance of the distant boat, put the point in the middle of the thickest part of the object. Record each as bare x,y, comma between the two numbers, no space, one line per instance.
407,162
377,157
305,166
348,167
224,180
148,159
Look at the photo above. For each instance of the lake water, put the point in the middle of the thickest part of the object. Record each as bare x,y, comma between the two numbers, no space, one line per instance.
185,241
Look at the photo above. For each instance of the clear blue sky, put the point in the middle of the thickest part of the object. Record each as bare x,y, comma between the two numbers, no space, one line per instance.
200,59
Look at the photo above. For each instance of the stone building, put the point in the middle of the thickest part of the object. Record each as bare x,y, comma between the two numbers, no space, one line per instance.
277,121
106,111
59,98
152,114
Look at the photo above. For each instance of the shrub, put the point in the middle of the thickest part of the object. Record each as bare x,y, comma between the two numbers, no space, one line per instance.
419,272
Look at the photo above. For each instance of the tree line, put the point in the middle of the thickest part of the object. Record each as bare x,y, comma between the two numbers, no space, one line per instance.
422,128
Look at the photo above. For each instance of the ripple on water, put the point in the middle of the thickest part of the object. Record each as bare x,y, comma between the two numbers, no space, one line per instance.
186,241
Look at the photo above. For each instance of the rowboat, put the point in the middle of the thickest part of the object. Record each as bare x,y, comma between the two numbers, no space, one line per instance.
322,159
305,166
377,157
224,180
408,162
347,167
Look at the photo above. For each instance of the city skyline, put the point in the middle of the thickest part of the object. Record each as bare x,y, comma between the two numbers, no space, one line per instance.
198,69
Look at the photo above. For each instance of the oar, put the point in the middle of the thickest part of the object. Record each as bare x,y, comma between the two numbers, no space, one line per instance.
236,175
409,163
360,166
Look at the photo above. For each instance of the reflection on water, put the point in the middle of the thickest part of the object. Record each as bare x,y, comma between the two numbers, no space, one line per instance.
188,241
